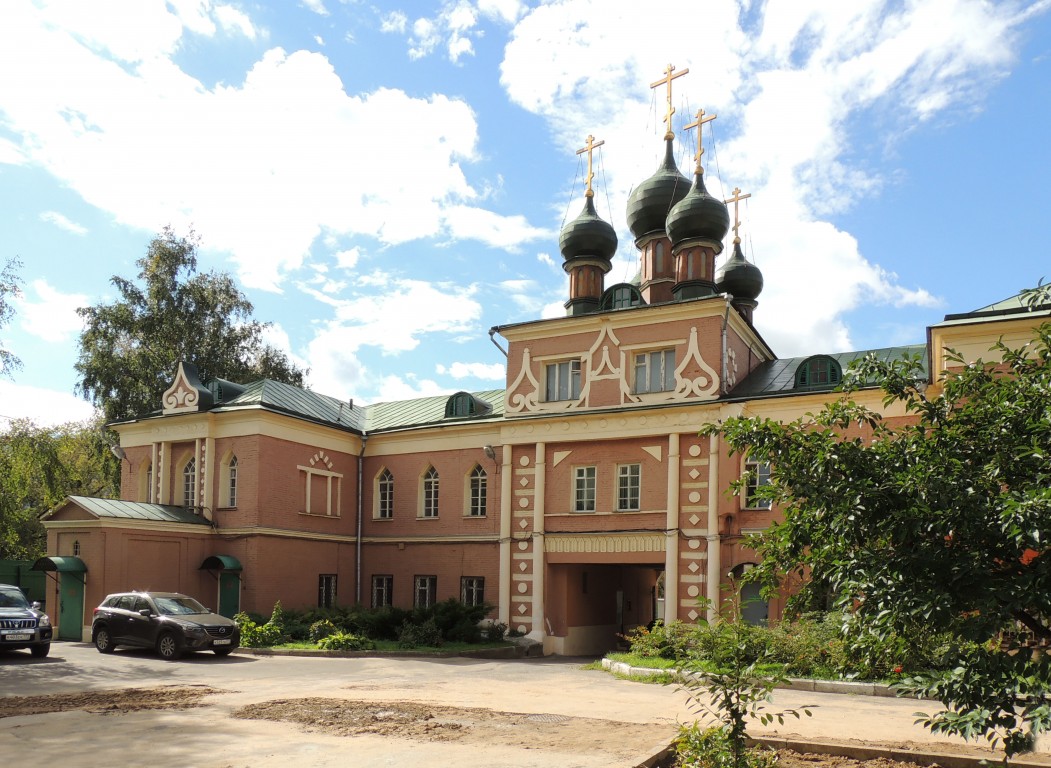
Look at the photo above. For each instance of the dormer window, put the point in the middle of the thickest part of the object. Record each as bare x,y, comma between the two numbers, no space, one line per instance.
621,296
464,405
817,372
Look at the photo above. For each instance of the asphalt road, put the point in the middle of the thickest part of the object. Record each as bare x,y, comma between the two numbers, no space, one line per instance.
207,736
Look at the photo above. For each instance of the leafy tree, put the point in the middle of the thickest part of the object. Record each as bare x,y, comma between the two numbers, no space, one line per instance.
10,287
939,522
129,349
39,467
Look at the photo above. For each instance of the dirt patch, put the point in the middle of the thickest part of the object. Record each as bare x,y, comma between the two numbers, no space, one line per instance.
427,722
107,702
789,759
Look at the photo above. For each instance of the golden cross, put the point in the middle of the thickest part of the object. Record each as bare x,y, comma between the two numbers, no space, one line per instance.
701,120
668,77
736,199
589,149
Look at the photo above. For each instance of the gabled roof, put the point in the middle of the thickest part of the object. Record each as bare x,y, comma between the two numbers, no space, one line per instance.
302,403
428,410
778,377
1012,305
134,510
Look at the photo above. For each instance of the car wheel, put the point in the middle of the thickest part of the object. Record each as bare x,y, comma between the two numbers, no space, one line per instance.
222,651
103,640
40,651
168,647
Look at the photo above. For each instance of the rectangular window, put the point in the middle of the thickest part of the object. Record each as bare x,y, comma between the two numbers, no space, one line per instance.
472,590
382,591
758,473
326,590
425,589
563,380
584,489
628,483
655,371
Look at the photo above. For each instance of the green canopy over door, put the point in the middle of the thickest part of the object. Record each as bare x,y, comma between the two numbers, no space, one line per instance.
70,572
229,568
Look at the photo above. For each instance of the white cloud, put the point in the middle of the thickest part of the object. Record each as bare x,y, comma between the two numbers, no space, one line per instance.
787,90
392,388
46,407
507,232
348,259
319,40
10,154
233,20
487,371
454,27
395,21
53,315
60,221
223,160
317,6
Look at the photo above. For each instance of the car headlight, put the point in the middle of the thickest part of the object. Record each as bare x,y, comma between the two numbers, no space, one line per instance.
192,629
43,621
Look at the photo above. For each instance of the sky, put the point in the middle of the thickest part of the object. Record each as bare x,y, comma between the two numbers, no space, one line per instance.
387,181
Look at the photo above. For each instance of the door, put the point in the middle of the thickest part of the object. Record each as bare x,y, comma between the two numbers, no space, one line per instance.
70,607
229,593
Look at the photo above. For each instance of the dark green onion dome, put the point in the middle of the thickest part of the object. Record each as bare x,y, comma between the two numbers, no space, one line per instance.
650,202
738,276
698,216
588,236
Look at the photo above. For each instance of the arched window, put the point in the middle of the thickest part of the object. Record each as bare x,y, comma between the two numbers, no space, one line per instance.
231,482
189,483
620,296
464,404
476,498
754,609
385,495
430,493
146,481
817,372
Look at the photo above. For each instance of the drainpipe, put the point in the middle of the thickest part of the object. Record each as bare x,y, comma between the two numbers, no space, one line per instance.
357,539
726,319
492,332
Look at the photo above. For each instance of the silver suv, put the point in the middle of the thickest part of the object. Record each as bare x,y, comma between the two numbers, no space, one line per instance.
169,622
23,624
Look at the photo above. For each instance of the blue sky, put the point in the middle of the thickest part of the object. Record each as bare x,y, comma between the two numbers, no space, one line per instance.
387,181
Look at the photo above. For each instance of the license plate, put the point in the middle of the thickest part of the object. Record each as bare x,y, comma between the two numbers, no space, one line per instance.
20,636
221,642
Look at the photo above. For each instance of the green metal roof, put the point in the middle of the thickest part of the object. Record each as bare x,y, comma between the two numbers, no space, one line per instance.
60,564
137,510
284,398
1012,305
422,411
778,377
221,563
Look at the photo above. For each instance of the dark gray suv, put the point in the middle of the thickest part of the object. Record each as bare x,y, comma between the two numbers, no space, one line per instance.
23,624
169,622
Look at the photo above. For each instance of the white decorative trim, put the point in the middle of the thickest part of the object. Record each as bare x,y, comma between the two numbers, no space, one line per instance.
558,456
653,450
704,385
605,543
599,366
181,396
528,401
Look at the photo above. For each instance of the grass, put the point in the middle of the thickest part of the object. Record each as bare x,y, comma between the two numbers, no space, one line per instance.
391,646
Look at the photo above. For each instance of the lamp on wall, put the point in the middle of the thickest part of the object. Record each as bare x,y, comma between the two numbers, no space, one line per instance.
117,451
489,452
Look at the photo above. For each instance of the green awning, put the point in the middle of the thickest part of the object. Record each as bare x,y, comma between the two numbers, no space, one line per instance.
60,564
221,563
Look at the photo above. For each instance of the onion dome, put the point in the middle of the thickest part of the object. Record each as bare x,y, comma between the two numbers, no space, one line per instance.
650,202
698,216
588,236
739,277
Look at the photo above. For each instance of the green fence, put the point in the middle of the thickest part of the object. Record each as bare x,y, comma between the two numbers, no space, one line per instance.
18,572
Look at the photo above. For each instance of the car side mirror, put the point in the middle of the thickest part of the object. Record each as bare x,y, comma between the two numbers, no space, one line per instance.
145,612
35,605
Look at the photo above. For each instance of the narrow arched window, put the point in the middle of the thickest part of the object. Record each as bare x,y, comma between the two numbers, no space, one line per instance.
385,496
430,493
477,499
231,486
189,483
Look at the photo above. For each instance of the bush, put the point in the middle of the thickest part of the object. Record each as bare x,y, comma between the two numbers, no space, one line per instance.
322,629
697,747
254,635
494,631
425,634
674,640
342,641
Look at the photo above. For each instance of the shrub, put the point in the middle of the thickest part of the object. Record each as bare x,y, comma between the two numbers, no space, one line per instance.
415,635
697,747
254,635
321,629
342,641
494,631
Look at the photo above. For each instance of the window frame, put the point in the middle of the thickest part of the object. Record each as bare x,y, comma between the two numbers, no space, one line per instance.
430,488
189,483
384,509
756,474
473,587
425,587
633,483
644,360
477,495
383,589
585,489
327,584
571,369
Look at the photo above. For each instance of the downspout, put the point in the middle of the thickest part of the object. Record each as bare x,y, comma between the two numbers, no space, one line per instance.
726,320
357,539
492,332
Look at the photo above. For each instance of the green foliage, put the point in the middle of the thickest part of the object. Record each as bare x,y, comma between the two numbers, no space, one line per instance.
699,747
415,635
674,640
936,524
255,635
735,691
129,349
39,467
10,288
342,641
321,629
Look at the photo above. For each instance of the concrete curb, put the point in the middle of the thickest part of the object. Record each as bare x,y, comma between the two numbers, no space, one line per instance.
510,652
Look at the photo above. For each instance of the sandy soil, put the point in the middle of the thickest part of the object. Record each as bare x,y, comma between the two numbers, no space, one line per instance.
106,702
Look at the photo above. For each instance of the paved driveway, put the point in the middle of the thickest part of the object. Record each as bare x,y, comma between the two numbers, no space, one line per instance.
578,710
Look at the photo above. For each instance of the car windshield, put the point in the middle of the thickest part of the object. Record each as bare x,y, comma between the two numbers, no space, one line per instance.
12,598
178,606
